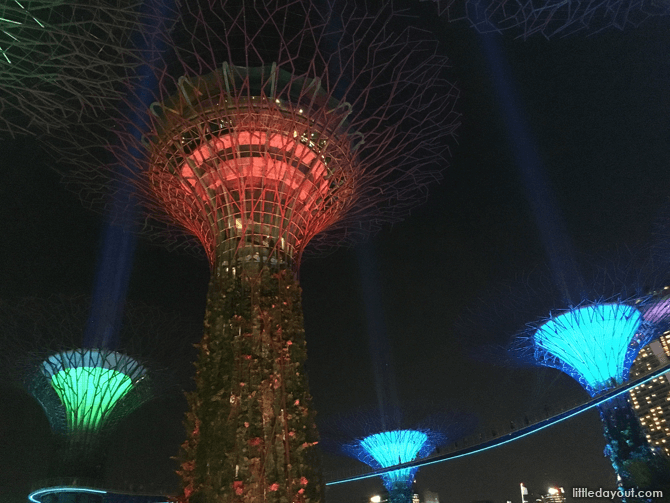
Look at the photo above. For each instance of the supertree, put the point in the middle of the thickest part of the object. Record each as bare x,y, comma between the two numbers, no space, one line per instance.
86,391
397,435
274,123
551,18
388,448
615,305
596,344
65,63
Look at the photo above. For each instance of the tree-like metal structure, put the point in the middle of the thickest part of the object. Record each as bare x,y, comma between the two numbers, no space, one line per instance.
87,392
89,384
276,122
65,63
397,435
596,344
389,448
552,18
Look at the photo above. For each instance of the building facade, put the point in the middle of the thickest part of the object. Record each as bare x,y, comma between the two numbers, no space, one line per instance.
651,401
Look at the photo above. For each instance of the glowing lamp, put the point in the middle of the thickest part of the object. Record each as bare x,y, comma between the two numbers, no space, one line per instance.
595,344
90,383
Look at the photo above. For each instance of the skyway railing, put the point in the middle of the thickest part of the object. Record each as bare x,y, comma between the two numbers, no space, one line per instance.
455,452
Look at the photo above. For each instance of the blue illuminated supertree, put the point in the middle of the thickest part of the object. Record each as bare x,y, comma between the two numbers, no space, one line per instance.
388,448
596,344
551,18
398,435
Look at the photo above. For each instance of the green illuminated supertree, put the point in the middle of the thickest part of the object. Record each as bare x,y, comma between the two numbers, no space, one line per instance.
89,383
86,392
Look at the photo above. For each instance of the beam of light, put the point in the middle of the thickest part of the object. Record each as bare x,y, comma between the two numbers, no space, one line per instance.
90,384
379,344
592,344
516,435
56,490
390,448
115,263
117,251
538,191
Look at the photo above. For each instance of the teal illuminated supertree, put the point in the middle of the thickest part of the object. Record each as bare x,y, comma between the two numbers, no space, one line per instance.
596,344
389,448
86,392
397,435
552,18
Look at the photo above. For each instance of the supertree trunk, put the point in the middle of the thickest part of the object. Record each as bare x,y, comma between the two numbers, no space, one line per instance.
400,492
251,431
79,458
637,466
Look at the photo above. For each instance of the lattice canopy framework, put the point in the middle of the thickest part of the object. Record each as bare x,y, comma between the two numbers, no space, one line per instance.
595,344
394,447
302,124
65,63
657,311
551,18
90,383
389,448
254,162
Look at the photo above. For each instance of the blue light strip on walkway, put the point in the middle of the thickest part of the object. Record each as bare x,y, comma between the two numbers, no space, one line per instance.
510,437
63,489
109,496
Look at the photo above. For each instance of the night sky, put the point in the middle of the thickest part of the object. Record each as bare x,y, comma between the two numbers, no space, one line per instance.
596,109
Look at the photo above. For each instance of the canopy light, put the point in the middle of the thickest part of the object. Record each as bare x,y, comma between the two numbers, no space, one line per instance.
591,343
90,383
390,448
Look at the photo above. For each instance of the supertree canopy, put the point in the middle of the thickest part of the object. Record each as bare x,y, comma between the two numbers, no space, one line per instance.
389,448
274,123
89,384
64,63
658,311
596,344
551,18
